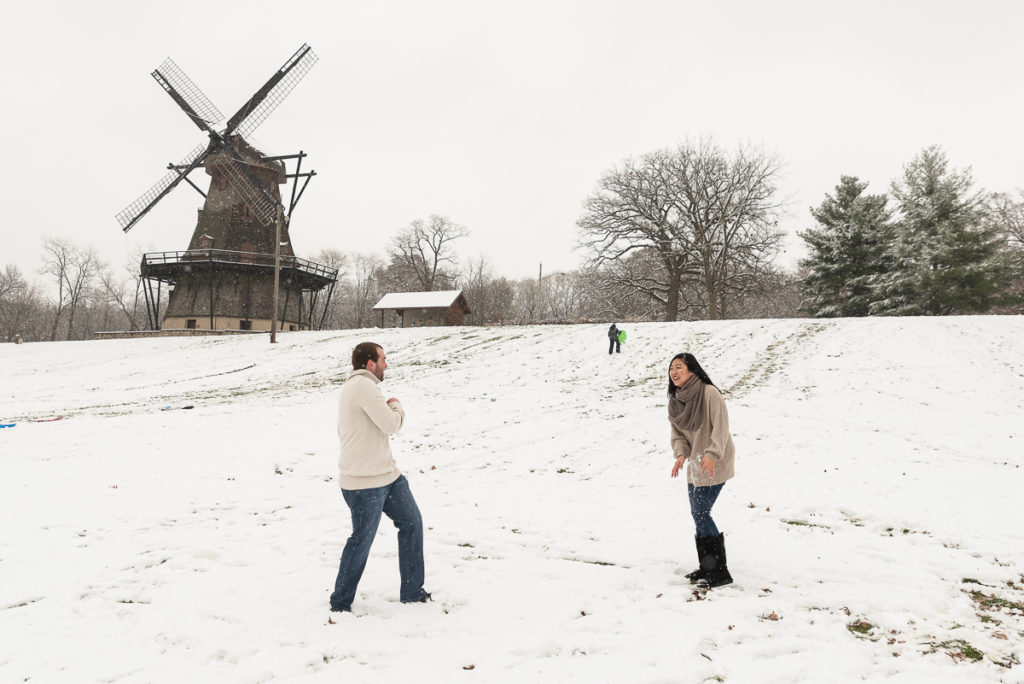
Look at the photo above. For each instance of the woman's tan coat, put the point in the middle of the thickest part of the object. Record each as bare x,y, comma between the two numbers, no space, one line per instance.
712,439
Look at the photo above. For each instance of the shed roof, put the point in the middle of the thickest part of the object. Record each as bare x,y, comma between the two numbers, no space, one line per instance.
440,299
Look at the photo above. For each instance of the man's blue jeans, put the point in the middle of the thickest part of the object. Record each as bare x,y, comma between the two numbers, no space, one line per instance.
701,501
395,501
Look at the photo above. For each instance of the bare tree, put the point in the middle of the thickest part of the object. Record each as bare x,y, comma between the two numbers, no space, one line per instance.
777,294
567,297
1007,212
330,312
474,280
333,258
632,210
737,241
12,289
24,314
491,298
126,293
363,291
501,295
634,288
11,283
699,213
563,296
424,251
527,304
74,269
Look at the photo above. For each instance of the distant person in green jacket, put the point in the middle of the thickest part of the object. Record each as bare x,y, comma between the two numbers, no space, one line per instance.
614,340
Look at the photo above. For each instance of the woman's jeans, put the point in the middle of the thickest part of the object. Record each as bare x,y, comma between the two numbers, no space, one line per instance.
701,501
395,501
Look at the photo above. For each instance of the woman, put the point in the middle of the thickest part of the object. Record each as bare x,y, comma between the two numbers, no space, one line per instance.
701,441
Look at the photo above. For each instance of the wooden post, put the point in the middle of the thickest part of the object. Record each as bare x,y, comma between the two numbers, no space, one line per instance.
277,272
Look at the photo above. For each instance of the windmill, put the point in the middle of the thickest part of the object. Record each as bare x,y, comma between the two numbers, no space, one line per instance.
240,249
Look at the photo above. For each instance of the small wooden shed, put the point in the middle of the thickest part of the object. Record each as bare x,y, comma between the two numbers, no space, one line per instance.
418,309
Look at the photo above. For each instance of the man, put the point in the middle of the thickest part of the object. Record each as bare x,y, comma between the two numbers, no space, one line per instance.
371,482
613,339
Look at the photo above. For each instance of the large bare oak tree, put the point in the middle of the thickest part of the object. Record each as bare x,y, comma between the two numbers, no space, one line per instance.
423,252
694,215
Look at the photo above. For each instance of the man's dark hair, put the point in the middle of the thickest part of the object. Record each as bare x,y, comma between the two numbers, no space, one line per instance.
363,354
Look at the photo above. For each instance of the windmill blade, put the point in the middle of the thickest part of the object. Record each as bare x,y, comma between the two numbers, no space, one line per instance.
131,214
266,99
188,95
244,181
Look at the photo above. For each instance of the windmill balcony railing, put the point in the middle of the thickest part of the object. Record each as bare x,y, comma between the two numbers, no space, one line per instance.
224,256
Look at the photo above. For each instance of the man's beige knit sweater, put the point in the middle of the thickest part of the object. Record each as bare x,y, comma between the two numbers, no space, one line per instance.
364,422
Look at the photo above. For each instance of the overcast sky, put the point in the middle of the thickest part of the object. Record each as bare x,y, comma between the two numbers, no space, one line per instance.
501,116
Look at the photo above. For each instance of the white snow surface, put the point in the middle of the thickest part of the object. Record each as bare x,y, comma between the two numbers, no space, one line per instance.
878,484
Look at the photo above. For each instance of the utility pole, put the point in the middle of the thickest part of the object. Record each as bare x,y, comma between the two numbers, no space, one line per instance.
277,272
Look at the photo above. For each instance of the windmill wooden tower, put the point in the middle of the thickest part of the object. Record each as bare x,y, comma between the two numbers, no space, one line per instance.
239,271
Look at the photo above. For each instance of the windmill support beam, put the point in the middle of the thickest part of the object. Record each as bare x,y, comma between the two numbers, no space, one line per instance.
298,169
156,305
152,300
284,313
295,200
175,167
149,312
281,157
290,176
327,304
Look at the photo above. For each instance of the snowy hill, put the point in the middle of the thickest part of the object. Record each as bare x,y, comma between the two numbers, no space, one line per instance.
873,526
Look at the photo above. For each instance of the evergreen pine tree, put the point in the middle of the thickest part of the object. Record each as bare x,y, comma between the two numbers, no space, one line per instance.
847,251
946,258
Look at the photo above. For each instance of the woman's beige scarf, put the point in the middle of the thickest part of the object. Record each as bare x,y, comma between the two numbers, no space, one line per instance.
686,405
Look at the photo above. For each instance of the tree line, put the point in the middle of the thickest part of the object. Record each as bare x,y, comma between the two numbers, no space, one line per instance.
936,245
682,233
78,294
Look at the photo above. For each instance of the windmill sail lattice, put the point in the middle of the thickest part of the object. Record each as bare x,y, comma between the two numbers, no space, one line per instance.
169,76
262,207
128,216
266,99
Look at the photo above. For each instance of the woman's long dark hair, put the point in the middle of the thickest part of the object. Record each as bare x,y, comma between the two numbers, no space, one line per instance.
691,363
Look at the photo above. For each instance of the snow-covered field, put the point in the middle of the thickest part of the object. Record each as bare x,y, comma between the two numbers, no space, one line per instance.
873,529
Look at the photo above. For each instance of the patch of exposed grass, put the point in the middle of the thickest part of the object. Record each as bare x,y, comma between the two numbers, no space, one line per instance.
591,562
958,650
989,602
803,523
860,627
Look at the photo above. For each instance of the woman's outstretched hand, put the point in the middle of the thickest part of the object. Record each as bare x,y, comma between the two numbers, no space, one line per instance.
708,467
677,465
